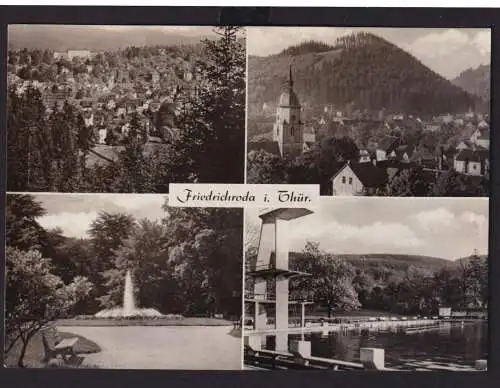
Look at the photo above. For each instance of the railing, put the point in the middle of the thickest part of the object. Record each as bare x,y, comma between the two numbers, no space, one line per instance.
297,358
261,296
272,296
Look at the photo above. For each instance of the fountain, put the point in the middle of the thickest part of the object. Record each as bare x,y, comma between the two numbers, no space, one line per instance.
129,309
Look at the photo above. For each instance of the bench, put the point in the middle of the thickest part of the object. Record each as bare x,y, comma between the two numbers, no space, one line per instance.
54,346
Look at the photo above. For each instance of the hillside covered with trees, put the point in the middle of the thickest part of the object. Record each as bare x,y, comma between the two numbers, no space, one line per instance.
476,81
361,69
398,284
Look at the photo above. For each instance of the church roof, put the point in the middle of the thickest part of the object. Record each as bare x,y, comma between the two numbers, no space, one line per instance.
288,96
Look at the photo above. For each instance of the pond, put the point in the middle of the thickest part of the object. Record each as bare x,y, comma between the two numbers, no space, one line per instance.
162,347
449,345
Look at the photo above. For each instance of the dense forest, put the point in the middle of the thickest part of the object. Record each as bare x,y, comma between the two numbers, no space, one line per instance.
361,68
397,284
189,263
50,152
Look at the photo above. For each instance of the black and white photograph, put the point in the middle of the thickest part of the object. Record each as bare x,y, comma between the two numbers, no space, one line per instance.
120,109
370,111
389,284
116,281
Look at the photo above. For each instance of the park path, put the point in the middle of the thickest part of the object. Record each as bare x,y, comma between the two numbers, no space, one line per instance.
162,347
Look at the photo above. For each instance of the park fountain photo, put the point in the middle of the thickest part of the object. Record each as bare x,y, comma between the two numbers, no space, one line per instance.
129,309
148,315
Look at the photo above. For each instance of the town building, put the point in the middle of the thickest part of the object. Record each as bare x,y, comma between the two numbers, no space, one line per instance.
358,179
472,162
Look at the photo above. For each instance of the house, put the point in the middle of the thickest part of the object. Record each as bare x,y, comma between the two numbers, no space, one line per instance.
154,106
475,135
131,106
84,54
389,143
111,104
125,129
432,127
155,77
483,125
103,133
188,76
364,156
463,145
121,111
470,162
483,141
307,146
60,55
358,179
55,98
88,119
309,135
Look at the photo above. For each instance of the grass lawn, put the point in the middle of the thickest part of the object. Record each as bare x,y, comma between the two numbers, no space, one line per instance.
35,353
190,321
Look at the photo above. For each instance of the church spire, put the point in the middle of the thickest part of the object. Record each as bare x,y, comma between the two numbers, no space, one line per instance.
290,78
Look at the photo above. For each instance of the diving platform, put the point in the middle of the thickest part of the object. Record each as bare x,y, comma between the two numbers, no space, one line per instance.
271,273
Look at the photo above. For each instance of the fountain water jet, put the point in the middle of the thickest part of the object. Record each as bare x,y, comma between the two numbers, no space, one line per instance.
129,309
128,296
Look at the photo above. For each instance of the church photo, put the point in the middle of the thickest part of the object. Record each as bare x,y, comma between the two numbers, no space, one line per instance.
368,111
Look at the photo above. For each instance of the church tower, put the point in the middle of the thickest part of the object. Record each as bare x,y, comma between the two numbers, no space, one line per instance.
288,128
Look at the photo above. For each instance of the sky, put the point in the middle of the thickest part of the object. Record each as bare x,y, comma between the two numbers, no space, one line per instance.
448,228
446,51
184,30
101,37
74,213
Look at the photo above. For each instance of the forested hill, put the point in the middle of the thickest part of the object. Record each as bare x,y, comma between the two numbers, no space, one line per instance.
476,81
466,260
389,261
360,68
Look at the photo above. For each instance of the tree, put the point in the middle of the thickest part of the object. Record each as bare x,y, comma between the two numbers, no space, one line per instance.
213,120
143,253
135,169
331,282
107,233
264,167
35,296
454,184
205,246
22,228
409,183
25,120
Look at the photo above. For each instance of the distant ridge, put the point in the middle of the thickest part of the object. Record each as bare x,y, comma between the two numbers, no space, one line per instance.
78,38
395,261
476,81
